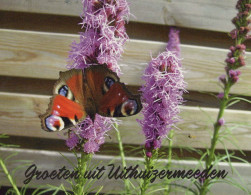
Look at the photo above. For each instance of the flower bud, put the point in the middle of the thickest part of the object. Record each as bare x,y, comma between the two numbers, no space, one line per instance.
149,154
148,146
241,61
242,28
220,95
221,121
248,6
234,20
232,49
241,47
222,79
230,54
233,74
233,34
245,13
231,60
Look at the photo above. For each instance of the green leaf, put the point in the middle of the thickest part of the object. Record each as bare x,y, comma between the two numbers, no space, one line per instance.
232,103
241,99
235,184
99,190
10,156
68,160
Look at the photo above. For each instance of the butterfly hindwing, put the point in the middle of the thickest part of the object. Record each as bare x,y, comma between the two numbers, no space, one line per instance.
63,113
66,106
119,102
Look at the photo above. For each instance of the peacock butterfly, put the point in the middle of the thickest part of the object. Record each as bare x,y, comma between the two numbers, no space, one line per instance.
80,93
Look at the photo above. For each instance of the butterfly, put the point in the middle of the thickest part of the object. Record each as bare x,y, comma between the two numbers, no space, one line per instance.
81,93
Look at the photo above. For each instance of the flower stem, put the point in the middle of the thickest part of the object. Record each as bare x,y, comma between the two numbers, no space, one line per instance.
149,166
78,189
170,150
214,140
5,170
146,181
240,34
122,155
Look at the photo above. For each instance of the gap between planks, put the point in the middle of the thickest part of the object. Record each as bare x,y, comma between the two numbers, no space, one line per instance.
23,53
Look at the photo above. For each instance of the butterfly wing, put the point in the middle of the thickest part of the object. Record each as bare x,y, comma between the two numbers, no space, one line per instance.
111,97
119,102
66,105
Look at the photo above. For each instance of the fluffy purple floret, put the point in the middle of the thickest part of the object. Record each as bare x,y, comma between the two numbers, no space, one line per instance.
72,141
93,134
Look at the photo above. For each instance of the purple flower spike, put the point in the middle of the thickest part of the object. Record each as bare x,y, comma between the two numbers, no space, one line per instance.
104,36
161,95
101,43
93,133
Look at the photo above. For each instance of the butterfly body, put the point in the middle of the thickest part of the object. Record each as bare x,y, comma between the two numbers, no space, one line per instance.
78,94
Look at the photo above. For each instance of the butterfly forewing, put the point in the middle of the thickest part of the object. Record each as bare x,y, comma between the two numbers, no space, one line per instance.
66,106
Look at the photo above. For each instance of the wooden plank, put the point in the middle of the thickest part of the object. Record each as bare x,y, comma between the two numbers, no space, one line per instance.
23,53
19,116
45,86
52,160
210,15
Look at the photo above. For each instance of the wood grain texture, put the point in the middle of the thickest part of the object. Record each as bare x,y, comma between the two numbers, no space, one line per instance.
43,55
19,116
210,15
52,160
135,30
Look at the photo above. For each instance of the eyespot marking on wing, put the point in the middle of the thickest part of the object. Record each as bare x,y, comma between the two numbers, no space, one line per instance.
129,107
63,91
54,123
66,92
108,83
